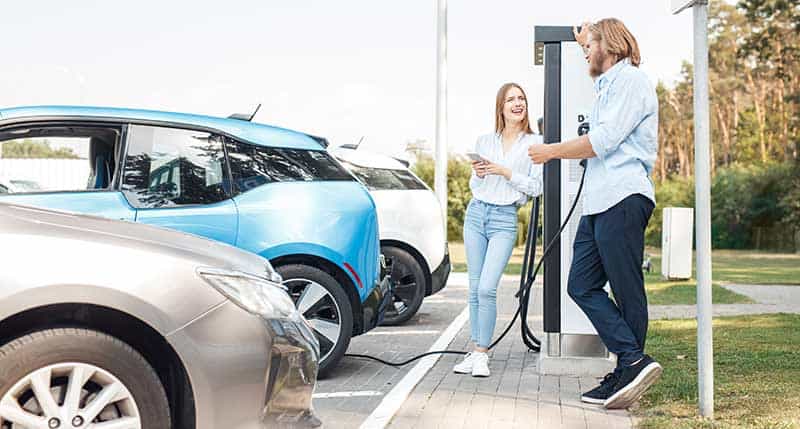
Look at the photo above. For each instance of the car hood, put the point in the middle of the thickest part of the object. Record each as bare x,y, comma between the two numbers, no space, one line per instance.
18,219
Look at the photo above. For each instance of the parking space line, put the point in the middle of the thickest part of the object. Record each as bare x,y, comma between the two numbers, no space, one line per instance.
392,402
411,332
346,394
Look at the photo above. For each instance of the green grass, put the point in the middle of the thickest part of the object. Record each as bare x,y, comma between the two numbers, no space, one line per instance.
757,374
671,292
729,266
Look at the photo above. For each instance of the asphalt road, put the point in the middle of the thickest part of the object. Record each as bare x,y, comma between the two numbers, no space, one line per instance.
356,387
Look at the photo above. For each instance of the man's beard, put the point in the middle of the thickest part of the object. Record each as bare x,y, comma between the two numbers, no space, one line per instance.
596,63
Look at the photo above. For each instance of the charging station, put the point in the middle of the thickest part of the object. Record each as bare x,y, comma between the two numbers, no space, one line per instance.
571,345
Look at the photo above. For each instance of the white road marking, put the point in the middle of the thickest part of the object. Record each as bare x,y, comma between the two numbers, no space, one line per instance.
346,394
393,400
421,332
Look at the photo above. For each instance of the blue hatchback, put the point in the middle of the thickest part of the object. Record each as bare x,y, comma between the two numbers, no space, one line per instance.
271,191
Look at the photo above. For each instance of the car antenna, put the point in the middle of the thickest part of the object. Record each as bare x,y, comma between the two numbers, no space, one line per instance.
354,146
254,113
244,116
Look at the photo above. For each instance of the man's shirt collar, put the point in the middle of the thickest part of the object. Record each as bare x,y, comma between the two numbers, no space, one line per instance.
604,79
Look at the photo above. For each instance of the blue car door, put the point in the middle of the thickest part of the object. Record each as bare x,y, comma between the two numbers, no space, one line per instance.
110,204
178,178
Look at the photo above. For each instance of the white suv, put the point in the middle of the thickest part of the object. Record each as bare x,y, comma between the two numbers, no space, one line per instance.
411,228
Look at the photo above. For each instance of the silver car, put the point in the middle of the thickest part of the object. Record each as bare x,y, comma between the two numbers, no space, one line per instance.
114,324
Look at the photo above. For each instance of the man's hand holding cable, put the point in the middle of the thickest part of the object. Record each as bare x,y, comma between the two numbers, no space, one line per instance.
579,148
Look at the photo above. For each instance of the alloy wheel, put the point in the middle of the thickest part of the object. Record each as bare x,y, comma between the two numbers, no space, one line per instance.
69,396
319,307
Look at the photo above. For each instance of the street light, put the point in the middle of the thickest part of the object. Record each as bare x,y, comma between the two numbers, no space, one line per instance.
702,175
440,148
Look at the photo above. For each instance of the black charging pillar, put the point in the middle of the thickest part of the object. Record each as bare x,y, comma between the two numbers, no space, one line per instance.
548,52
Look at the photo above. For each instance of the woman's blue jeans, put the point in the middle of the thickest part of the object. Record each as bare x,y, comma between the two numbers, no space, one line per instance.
490,232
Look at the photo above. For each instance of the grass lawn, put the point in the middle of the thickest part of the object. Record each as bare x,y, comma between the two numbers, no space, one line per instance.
729,266
757,374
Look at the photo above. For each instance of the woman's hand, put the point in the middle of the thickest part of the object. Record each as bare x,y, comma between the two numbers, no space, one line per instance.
492,168
480,168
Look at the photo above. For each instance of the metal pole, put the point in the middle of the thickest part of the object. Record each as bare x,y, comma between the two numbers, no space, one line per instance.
705,346
440,151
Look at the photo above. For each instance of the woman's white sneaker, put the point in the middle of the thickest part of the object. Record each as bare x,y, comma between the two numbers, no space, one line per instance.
480,365
465,367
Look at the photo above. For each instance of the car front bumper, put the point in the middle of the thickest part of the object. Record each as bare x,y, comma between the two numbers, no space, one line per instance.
374,307
247,372
440,275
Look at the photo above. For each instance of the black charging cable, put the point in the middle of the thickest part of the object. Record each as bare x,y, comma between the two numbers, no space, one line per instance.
526,282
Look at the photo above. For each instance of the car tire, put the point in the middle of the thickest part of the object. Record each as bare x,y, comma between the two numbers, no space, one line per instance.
104,364
408,279
326,306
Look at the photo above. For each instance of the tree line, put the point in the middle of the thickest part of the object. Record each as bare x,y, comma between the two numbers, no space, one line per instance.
754,84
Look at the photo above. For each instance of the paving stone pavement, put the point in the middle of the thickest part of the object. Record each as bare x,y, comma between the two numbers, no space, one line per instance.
514,396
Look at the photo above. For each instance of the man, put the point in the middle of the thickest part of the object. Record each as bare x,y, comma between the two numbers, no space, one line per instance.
621,148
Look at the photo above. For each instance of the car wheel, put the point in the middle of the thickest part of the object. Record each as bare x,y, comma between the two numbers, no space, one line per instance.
408,279
326,306
78,378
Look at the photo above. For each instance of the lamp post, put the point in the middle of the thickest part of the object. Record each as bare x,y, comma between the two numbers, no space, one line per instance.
702,177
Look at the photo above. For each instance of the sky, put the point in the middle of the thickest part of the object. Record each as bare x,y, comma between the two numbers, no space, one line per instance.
343,69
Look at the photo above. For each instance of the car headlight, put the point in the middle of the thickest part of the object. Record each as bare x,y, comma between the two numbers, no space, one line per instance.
256,295
273,275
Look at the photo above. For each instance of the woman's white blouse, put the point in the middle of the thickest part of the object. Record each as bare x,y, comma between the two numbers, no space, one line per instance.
526,177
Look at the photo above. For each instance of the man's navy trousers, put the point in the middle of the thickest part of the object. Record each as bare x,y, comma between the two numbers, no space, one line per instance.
609,247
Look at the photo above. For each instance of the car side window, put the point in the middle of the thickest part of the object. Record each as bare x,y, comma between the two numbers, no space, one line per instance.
169,167
253,165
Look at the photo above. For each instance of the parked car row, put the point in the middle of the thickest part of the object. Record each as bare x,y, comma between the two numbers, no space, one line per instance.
273,192
102,311
412,229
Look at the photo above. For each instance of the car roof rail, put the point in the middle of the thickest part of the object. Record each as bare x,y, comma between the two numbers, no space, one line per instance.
245,116
321,140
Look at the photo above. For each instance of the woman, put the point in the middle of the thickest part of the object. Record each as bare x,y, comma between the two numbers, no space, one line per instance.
501,182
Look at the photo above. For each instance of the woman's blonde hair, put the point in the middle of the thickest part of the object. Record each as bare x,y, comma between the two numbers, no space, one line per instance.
499,120
619,41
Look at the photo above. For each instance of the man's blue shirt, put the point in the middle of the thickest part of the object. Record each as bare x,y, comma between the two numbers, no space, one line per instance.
624,135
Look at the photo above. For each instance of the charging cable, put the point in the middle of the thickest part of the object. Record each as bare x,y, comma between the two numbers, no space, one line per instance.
526,282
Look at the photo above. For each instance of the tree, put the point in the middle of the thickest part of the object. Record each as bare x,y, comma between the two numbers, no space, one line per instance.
28,148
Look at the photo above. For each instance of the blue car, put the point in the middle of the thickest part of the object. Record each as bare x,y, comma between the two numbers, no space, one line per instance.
268,190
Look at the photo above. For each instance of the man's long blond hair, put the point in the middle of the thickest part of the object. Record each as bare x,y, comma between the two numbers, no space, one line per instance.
618,40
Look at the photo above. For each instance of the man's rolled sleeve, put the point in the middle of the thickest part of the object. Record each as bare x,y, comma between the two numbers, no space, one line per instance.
617,117
601,142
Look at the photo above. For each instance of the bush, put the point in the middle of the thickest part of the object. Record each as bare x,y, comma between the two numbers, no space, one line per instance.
458,193
752,207
746,207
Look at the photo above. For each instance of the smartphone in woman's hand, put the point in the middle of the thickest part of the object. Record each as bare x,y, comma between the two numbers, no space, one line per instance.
474,156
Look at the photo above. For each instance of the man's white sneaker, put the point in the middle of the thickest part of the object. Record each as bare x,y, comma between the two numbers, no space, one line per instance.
465,367
480,365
